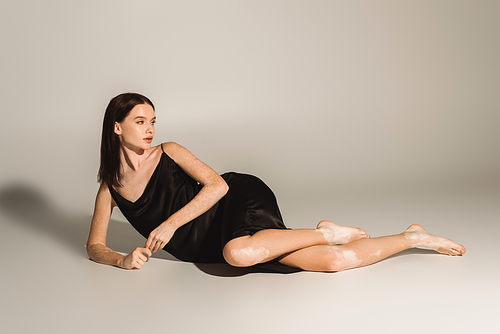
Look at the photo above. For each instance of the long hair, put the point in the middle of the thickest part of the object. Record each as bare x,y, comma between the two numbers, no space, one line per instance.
118,108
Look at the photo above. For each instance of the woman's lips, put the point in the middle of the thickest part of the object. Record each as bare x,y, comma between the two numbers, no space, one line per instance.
148,140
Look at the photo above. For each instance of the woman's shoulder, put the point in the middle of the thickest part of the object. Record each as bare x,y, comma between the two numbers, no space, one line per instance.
173,149
170,145
178,153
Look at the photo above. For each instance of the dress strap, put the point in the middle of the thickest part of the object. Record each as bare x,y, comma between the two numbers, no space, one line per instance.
161,145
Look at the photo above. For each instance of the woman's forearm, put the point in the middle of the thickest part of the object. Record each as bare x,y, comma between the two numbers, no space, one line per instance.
102,254
208,196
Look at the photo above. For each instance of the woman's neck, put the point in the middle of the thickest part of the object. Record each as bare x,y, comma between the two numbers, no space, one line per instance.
132,158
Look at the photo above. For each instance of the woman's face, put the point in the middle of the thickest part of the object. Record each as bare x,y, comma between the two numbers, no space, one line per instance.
137,130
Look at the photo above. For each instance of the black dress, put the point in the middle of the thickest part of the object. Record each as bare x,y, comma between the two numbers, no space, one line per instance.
249,206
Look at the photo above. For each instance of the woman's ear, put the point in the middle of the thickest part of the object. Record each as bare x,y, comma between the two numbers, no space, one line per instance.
118,128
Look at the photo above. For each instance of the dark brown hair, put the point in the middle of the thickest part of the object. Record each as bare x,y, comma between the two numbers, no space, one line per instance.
118,108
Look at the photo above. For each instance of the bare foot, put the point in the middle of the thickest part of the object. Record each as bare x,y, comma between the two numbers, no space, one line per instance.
339,235
424,239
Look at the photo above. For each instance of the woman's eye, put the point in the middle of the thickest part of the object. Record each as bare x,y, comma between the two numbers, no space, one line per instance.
140,122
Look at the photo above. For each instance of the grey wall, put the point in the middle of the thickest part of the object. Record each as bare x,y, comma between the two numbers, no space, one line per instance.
305,94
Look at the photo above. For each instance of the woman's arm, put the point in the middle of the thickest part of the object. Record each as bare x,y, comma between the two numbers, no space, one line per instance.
96,243
214,188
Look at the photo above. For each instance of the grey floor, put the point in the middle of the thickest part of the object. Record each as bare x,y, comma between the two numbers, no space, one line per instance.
49,284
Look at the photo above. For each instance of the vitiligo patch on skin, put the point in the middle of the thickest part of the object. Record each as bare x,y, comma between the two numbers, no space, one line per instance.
421,240
346,259
416,236
249,256
327,234
335,234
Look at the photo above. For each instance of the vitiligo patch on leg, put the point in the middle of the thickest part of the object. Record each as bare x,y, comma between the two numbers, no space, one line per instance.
346,259
249,256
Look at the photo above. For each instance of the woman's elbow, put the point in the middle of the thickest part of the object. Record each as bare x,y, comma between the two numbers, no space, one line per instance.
218,188
223,187
88,247
92,249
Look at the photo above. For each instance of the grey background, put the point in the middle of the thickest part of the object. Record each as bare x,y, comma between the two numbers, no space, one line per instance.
377,114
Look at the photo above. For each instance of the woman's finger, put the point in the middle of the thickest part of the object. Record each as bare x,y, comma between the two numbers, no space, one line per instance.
143,253
146,251
160,245
139,262
154,246
149,242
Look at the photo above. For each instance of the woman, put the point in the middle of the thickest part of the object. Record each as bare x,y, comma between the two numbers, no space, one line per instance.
183,206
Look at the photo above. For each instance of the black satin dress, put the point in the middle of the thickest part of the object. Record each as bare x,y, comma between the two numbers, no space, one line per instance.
249,206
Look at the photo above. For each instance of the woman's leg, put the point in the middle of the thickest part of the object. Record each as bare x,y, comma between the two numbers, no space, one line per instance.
364,252
266,245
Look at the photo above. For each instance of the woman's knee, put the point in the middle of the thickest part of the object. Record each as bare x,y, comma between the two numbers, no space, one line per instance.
241,253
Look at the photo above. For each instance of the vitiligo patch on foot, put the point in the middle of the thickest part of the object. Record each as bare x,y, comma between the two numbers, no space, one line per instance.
416,236
327,234
336,234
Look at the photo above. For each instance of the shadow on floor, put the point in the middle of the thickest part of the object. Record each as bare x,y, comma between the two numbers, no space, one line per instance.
28,206
224,270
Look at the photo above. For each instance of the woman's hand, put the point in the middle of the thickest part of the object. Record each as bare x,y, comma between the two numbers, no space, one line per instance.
136,259
159,237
